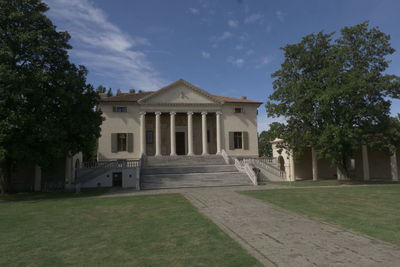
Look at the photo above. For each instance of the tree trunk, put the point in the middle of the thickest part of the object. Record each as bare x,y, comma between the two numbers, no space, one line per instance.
2,182
343,171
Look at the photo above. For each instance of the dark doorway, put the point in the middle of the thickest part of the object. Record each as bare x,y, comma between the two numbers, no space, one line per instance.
180,143
117,179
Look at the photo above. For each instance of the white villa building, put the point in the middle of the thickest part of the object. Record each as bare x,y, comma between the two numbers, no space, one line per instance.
179,119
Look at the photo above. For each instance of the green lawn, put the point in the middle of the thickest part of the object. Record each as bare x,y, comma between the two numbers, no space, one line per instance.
52,195
333,183
153,230
372,210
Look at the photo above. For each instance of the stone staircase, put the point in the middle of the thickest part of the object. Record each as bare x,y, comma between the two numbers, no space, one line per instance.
190,171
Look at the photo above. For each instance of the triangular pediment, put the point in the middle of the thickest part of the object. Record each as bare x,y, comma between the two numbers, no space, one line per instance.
180,92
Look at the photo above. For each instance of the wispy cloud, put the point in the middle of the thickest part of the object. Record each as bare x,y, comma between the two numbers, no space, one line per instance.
103,47
217,39
193,10
239,47
249,52
233,23
253,18
205,54
262,62
280,15
237,62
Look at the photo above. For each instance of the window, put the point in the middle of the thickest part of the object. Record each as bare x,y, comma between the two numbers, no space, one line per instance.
208,136
237,140
238,110
120,109
122,142
149,137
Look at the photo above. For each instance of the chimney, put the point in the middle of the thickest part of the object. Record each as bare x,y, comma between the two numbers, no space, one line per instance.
244,97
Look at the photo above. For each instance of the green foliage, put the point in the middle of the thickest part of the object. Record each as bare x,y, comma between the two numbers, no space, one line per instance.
335,93
119,91
101,89
132,91
46,109
109,92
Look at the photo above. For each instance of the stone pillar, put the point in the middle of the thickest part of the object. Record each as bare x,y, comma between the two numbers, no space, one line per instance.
314,165
218,121
292,169
38,178
172,127
190,133
365,162
142,133
204,133
158,134
393,166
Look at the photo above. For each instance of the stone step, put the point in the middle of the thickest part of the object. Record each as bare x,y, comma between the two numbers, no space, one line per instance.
188,169
162,181
184,160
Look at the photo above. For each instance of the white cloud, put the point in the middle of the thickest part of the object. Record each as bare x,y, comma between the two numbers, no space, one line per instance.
237,62
225,35
280,15
193,10
222,37
253,18
102,46
233,23
205,54
249,52
262,62
239,47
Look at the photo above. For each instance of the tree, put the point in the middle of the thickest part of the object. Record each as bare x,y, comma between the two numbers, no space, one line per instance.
109,92
119,91
265,138
47,109
335,94
101,89
132,91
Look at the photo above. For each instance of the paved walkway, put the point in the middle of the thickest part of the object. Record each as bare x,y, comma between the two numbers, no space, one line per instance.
280,238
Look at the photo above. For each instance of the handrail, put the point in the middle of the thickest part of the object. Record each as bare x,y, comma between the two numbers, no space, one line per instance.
225,156
245,167
111,164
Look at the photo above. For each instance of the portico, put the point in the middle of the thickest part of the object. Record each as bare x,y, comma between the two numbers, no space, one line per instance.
180,132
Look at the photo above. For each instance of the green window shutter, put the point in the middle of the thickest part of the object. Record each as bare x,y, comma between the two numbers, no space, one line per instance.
130,142
231,141
245,140
114,109
114,143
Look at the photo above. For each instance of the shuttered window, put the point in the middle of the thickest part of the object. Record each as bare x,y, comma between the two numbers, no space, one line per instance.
120,109
121,142
238,140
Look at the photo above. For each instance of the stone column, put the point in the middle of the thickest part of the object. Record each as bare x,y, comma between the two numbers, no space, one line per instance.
204,133
190,133
158,134
38,178
365,162
218,121
172,128
142,133
393,166
314,165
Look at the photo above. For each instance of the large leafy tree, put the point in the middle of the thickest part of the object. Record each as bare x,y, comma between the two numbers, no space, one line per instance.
336,95
47,109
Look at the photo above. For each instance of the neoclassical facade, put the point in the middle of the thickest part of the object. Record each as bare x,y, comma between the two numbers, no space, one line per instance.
178,119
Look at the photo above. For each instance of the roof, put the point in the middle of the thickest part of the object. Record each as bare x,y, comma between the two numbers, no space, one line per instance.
137,97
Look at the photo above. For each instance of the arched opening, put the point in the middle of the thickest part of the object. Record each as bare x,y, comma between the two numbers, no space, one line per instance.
281,162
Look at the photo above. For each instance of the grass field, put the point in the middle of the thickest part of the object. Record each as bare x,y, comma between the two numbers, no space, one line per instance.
53,195
334,183
157,230
372,210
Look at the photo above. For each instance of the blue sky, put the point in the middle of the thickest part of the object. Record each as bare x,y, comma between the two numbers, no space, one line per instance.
227,47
